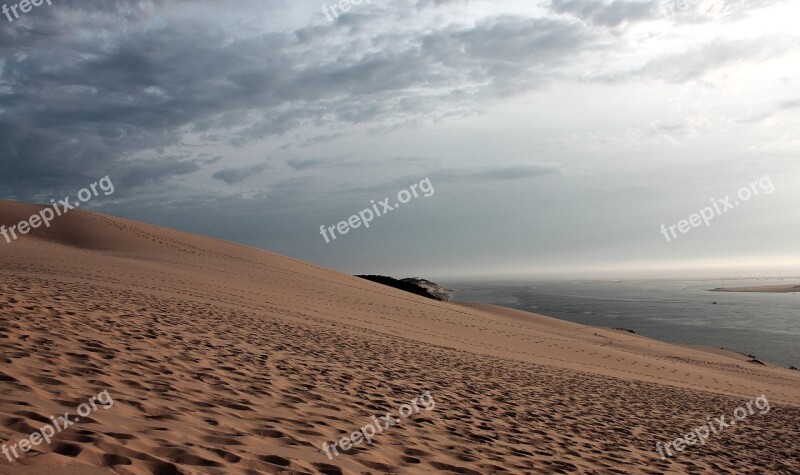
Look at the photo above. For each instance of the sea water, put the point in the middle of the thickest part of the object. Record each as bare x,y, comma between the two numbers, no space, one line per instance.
765,325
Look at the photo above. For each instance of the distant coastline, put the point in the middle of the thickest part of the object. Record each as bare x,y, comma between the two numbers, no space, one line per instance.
770,289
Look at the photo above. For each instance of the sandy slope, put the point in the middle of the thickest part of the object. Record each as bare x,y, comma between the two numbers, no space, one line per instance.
225,359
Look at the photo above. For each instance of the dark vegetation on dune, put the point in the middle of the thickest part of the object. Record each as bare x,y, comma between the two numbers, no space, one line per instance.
412,285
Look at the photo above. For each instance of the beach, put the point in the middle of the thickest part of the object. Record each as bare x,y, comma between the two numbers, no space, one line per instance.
222,358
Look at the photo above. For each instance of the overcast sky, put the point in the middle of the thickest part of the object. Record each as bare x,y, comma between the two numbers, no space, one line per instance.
558,135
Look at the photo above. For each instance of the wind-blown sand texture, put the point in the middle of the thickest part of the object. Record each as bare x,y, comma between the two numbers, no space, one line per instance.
223,359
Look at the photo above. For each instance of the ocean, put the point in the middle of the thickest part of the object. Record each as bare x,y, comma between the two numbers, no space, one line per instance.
766,326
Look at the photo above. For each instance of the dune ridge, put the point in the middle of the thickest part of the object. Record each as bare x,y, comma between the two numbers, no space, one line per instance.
222,358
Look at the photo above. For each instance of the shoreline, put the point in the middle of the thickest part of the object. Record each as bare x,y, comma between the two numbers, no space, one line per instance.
718,351
679,313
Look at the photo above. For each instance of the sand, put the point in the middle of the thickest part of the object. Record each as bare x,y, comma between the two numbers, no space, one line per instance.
224,359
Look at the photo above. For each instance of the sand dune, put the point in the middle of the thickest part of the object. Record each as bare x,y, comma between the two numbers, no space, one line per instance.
226,359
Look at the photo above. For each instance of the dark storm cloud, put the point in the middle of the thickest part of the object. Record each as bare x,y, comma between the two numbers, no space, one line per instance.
87,88
91,88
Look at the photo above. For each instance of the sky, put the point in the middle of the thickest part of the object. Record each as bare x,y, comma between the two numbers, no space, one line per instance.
557,136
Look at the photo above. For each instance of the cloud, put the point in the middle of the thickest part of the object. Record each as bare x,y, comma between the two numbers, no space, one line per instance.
512,173
233,176
786,105
693,64
621,13
482,175
321,138
310,163
143,88
607,13
103,88
306,164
